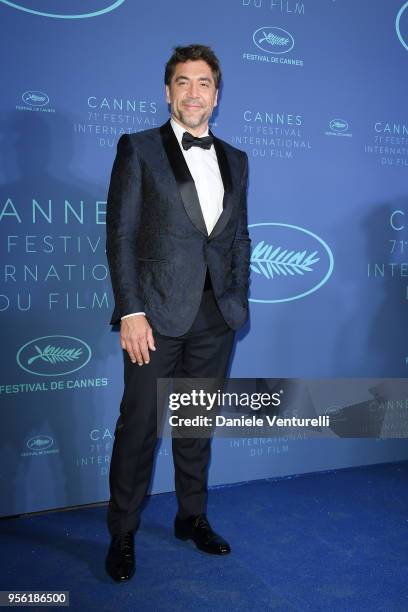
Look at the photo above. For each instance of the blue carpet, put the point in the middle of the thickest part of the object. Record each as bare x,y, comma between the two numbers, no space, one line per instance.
327,541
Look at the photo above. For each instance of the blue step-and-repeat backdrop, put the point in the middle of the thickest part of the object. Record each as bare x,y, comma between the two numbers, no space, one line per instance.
315,93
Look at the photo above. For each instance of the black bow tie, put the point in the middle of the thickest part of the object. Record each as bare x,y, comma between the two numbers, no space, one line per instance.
189,141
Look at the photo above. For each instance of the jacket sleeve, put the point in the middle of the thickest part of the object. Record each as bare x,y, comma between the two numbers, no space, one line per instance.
242,243
122,226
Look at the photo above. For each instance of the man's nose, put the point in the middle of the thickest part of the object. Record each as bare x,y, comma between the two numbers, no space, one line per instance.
193,89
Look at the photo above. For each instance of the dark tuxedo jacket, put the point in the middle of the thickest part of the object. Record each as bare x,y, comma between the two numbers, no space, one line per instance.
158,247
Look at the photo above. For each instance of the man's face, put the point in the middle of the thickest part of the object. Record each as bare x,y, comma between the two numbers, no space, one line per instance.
192,94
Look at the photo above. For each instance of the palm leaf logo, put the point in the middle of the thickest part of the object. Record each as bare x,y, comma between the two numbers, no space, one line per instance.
39,442
273,39
274,261
55,354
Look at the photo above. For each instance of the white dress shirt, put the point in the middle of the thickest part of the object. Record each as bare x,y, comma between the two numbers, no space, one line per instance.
204,169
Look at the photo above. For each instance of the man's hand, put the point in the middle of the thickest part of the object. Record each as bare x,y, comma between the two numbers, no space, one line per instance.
136,337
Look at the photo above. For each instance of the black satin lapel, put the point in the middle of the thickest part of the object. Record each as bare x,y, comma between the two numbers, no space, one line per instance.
227,181
183,177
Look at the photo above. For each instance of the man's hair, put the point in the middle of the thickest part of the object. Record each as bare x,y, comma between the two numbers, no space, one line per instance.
193,53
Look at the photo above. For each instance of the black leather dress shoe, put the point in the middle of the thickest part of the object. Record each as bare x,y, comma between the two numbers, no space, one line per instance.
120,560
198,529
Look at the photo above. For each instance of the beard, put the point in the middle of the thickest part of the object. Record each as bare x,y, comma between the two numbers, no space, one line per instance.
189,121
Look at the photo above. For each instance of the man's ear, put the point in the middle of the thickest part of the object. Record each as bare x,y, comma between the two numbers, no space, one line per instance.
167,94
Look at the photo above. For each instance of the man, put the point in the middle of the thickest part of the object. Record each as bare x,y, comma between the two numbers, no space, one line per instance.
178,252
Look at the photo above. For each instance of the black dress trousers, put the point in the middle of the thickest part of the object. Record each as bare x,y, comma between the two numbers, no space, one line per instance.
202,352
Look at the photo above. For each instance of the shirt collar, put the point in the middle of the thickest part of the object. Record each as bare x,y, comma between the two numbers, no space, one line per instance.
179,130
